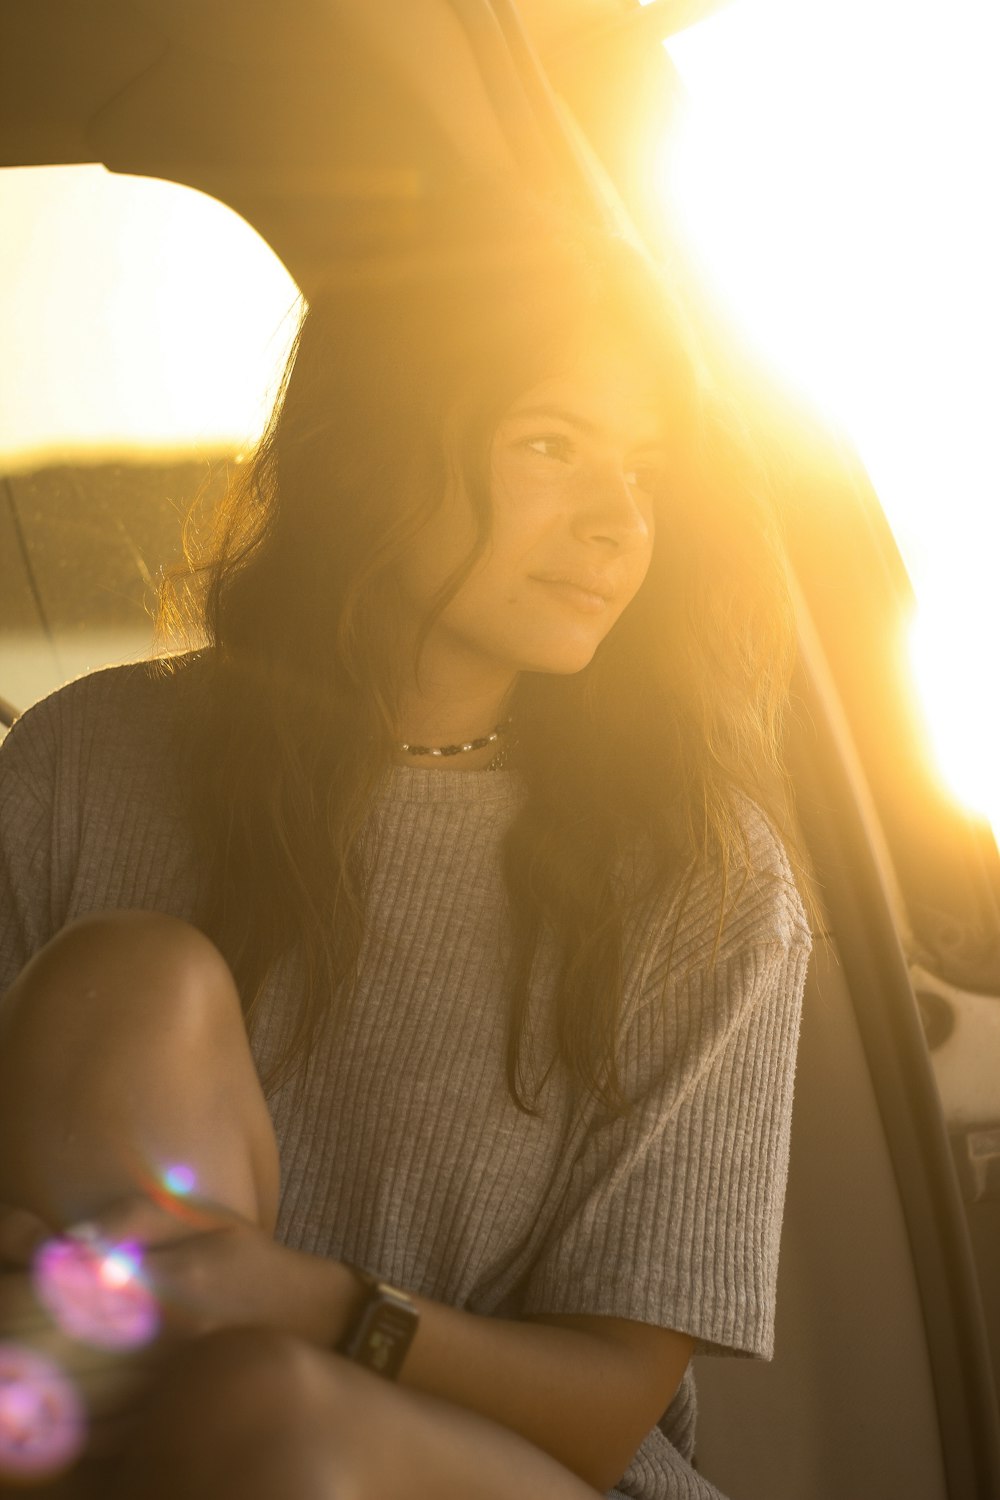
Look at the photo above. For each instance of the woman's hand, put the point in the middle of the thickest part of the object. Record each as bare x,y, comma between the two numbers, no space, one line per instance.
220,1271
72,1299
208,1268
204,1267
21,1233
101,1384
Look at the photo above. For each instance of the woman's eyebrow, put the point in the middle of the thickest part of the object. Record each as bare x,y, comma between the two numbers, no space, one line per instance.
573,418
583,424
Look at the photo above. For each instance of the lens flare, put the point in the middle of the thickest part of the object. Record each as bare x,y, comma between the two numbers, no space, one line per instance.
179,1179
95,1291
42,1426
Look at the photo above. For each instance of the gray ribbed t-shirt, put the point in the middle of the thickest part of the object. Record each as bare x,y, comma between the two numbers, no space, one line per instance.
400,1147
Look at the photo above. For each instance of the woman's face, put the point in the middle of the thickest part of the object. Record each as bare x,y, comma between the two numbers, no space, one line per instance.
577,462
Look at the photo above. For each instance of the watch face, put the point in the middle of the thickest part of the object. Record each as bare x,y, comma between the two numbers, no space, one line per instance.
386,1337
384,1332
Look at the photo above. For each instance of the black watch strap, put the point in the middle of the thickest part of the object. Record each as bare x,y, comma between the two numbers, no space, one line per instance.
382,1328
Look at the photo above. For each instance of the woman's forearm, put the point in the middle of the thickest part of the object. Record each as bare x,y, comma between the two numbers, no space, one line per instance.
588,1397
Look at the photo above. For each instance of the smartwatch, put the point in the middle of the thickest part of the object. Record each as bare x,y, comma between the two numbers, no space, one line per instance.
382,1328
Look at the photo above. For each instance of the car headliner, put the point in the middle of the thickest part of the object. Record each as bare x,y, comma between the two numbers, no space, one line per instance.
228,97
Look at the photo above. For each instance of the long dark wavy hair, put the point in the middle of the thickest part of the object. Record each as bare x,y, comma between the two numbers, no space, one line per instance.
648,748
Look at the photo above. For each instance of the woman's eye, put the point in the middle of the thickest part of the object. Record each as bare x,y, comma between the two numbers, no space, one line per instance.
550,445
645,477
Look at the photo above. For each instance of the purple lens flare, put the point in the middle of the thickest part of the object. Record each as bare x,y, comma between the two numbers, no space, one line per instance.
95,1291
42,1424
179,1180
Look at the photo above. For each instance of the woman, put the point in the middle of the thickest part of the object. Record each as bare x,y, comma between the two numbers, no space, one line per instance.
463,802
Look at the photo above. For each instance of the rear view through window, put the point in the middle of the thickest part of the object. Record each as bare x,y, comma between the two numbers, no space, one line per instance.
146,326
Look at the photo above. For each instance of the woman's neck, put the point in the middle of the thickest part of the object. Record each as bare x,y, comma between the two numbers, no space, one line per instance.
442,720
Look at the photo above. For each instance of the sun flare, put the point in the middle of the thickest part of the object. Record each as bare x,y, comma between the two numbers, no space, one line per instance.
836,173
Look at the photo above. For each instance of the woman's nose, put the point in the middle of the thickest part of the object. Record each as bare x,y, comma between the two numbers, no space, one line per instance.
610,510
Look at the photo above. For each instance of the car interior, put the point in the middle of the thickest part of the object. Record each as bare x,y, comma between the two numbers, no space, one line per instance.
325,124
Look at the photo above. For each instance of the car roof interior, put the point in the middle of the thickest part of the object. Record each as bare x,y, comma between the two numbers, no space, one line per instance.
881,1383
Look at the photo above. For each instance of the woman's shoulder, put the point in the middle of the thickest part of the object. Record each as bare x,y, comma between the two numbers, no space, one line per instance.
104,710
91,815
129,687
718,909
765,896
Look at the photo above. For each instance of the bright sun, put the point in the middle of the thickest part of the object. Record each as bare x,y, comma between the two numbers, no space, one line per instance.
837,175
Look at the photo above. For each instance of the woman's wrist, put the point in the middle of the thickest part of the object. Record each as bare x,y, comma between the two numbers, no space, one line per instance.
382,1327
336,1295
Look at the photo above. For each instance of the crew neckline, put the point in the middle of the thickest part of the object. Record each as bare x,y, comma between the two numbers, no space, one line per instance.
422,784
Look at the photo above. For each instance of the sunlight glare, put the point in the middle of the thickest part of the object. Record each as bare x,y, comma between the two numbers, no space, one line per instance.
836,175
135,313
939,641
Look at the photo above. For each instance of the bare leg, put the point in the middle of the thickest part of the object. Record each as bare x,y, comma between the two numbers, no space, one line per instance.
122,1053
253,1415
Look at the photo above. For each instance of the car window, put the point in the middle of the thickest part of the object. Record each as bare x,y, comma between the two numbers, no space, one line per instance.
145,327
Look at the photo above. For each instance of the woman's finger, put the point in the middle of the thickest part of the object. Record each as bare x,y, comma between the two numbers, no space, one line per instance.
21,1233
21,1316
154,1221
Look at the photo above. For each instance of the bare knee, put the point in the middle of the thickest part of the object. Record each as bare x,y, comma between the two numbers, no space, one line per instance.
123,1041
115,966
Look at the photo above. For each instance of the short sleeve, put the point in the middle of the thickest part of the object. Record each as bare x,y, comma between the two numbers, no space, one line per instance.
672,1214
92,811
26,793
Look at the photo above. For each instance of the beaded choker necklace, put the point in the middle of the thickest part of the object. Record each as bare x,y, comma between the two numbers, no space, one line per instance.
480,744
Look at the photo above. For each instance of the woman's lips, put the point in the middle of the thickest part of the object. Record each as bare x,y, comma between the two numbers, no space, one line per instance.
584,600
